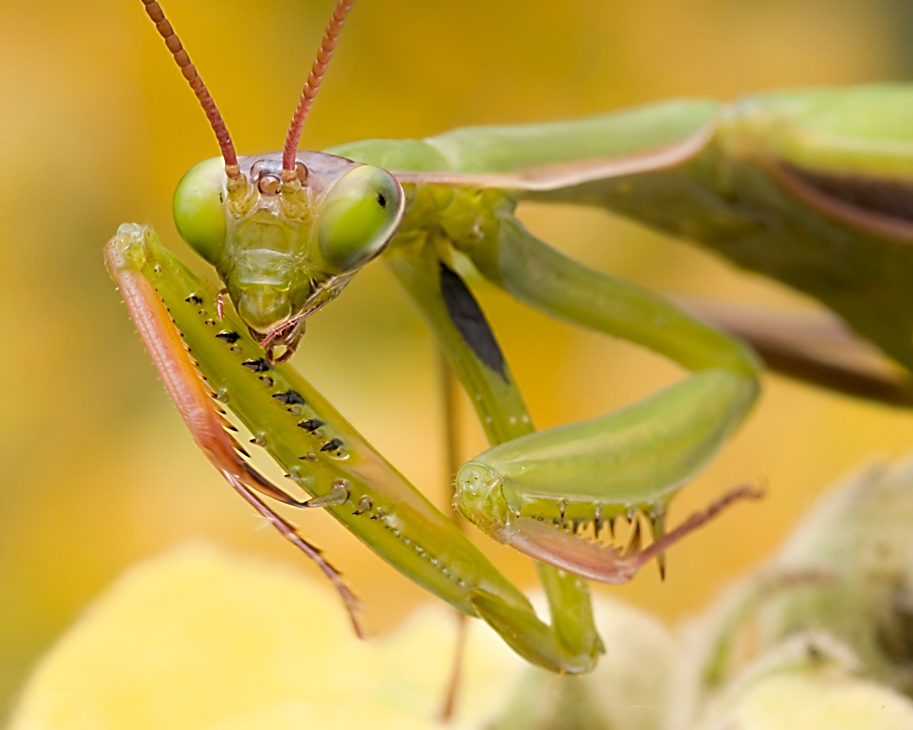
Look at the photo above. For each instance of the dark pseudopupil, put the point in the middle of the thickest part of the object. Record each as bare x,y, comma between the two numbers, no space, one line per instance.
382,200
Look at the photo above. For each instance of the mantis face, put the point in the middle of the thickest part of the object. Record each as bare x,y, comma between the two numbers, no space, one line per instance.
285,245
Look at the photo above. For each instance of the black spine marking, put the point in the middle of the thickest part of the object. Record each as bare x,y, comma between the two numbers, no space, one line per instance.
311,425
257,366
470,321
289,398
229,337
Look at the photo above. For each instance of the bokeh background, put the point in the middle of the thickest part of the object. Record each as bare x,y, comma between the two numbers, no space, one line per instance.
96,128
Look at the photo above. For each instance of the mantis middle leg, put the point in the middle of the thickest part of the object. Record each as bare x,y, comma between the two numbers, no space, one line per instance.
635,459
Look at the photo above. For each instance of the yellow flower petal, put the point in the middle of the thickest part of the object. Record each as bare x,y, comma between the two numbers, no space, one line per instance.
200,639
803,702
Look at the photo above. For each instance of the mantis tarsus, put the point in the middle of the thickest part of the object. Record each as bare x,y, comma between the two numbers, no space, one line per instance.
287,231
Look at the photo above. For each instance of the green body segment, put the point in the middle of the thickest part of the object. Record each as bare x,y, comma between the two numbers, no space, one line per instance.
513,148
843,236
863,131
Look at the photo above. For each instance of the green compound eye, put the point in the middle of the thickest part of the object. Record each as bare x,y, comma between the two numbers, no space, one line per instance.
198,209
359,217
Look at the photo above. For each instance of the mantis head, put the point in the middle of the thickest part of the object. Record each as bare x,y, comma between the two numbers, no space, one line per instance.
284,248
285,231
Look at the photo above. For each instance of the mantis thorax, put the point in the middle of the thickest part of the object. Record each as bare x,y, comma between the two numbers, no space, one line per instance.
465,216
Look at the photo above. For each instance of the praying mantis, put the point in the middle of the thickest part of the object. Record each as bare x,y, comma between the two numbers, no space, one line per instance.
287,231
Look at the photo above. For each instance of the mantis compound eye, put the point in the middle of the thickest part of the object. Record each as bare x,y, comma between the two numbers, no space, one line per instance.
199,211
360,215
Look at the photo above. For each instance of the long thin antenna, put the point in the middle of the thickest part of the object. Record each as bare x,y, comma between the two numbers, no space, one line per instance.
313,84
154,10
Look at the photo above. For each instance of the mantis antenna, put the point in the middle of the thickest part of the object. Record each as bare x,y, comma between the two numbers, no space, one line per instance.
324,55
154,10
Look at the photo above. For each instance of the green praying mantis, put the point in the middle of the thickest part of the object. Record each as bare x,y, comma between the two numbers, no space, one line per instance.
807,187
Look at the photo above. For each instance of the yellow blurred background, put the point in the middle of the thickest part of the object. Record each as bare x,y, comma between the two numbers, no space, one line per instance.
97,127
